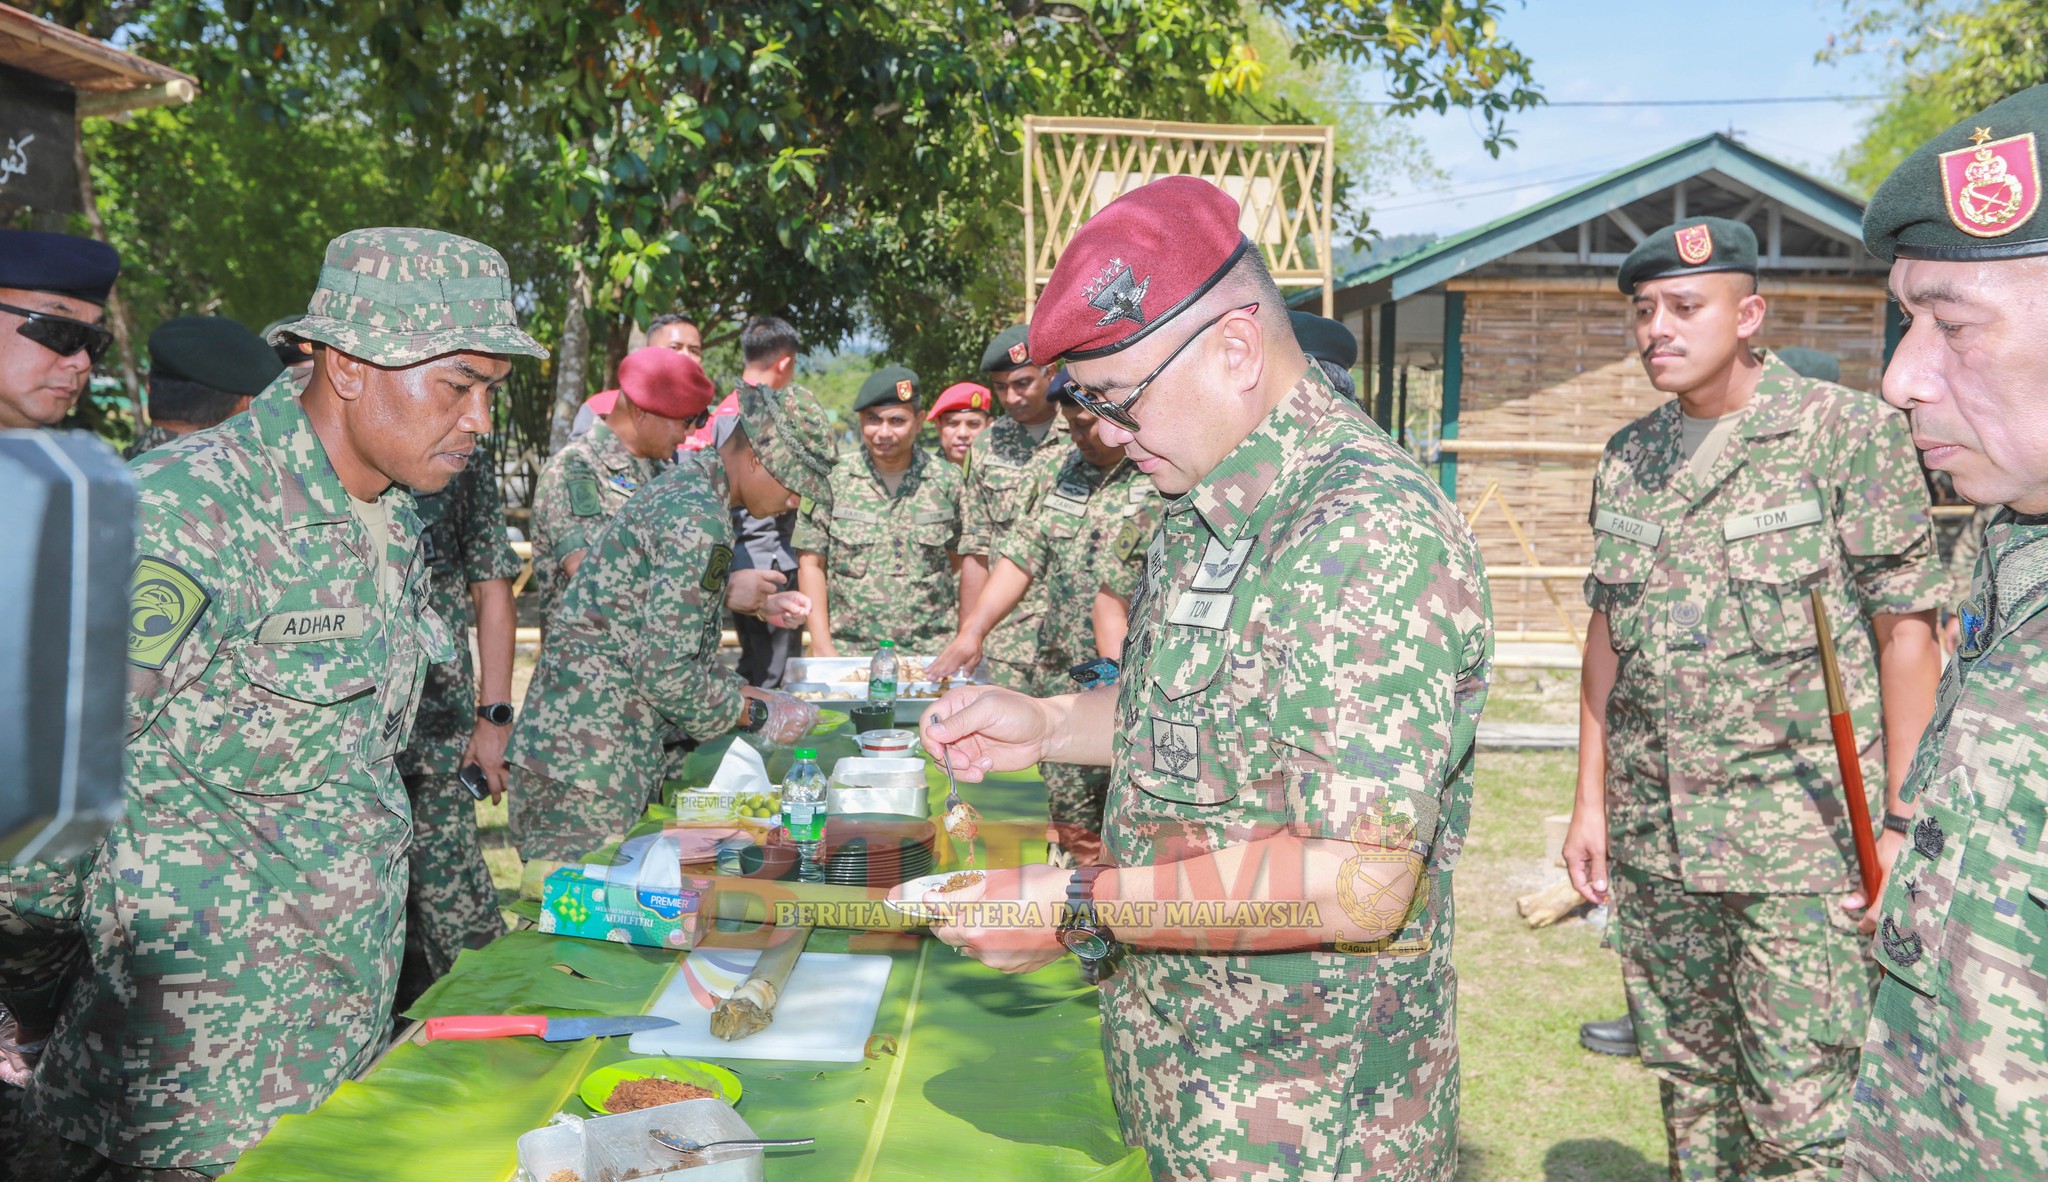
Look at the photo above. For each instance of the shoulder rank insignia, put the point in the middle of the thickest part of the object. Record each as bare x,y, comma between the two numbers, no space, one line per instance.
164,602
584,498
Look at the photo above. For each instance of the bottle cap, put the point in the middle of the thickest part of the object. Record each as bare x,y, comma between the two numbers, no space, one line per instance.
807,753
888,644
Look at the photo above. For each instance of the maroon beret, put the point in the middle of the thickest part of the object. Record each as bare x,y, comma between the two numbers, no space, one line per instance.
664,382
961,396
1139,262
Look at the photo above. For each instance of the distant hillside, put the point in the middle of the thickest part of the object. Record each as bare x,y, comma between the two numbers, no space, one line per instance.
1391,246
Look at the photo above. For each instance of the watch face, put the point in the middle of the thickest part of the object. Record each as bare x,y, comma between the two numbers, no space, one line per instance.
1085,943
497,714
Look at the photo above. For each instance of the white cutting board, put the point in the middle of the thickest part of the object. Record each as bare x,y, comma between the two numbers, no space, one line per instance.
826,1013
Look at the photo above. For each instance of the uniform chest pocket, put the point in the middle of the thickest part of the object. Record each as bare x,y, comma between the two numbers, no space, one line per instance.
1189,720
1913,922
936,529
1621,577
294,712
1770,574
854,534
1002,482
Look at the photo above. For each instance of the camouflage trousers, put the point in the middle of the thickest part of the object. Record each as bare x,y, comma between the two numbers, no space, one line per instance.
1074,799
28,1149
42,949
553,821
451,904
1750,1010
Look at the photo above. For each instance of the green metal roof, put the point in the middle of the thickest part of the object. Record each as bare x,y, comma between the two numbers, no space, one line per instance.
1426,266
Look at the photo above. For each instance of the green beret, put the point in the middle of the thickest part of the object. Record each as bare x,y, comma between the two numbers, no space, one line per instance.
1690,247
1970,194
891,385
213,351
792,436
1812,363
1325,339
1010,349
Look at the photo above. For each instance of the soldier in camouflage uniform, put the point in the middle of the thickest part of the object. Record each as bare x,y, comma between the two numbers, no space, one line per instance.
1084,543
203,370
470,567
880,559
632,655
1308,655
1707,772
1007,469
243,918
583,485
1954,1081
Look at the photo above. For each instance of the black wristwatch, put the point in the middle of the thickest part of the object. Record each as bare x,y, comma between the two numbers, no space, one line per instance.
755,716
1897,823
497,713
1082,932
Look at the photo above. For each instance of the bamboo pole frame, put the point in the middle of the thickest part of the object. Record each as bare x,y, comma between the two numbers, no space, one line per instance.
1284,179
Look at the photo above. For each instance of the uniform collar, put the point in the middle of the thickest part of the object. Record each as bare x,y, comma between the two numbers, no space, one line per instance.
611,451
911,475
1229,496
1774,407
312,491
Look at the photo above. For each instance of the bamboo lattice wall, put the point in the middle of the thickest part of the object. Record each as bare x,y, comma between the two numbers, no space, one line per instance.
1556,363
1281,177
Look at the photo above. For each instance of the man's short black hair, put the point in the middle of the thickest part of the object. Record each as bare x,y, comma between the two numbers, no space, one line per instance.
182,401
668,318
768,338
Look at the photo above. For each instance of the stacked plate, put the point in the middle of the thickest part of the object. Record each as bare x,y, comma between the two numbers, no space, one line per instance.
877,849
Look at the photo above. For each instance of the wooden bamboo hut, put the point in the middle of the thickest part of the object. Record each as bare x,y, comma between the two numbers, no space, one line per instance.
1519,326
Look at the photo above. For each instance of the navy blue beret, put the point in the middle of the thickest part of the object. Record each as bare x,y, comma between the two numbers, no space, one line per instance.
61,264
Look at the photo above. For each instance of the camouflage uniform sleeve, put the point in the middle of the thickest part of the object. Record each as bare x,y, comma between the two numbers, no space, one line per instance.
1119,565
554,506
811,533
977,532
180,612
1027,545
1881,513
956,501
1598,596
674,653
487,552
1382,621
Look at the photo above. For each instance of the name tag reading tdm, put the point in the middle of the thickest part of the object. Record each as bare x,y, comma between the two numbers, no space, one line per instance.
326,623
1737,526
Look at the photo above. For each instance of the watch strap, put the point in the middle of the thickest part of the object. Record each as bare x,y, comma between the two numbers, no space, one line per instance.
1897,823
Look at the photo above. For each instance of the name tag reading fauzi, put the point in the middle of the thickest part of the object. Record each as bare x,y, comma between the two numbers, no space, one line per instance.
1737,526
1202,609
1649,533
848,513
326,623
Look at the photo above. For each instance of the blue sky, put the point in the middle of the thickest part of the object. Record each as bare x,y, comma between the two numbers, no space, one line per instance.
1656,49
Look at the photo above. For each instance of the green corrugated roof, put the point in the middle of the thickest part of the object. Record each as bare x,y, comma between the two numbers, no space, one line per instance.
1427,266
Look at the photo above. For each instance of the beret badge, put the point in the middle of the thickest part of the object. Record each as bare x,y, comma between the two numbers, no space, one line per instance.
1117,294
1993,187
1020,353
903,390
1695,244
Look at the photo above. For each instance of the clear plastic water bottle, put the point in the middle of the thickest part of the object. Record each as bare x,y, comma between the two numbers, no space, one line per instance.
882,676
803,814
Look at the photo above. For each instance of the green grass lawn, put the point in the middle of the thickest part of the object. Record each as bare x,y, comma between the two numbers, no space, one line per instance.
1536,1106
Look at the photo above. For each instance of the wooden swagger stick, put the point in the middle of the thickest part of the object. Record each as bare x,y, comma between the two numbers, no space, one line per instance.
1845,755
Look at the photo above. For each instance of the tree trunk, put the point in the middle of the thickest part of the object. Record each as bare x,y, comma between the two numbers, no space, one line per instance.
117,313
618,335
571,358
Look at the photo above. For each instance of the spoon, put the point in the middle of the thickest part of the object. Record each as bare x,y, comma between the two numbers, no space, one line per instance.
686,1145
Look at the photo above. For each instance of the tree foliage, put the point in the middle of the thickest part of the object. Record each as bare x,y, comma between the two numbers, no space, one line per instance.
1948,60
849,165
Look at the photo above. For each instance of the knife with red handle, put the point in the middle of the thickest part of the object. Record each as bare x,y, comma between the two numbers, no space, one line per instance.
538,1025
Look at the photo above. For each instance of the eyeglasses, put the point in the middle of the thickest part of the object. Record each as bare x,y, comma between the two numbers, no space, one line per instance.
61,334
1120,412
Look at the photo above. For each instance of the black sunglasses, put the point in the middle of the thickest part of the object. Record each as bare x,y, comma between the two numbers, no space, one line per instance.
1120,412
61,334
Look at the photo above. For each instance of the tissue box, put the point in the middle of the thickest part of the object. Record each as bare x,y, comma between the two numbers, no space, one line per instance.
573,903
709,806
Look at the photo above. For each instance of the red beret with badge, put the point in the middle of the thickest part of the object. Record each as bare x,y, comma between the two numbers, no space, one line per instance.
961,396
664,382
1139,262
